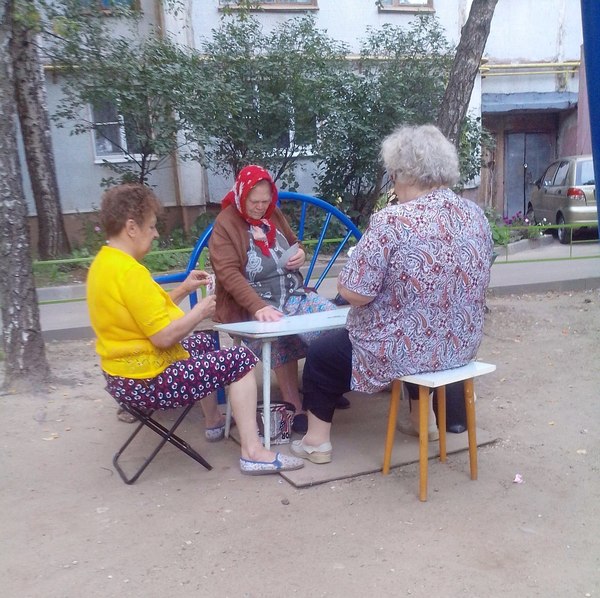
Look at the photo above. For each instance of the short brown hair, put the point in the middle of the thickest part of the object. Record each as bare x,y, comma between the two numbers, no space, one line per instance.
122,202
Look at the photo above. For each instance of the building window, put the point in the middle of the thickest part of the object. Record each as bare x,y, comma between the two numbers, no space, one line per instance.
273,4
114,135
405,5
300,138
108,4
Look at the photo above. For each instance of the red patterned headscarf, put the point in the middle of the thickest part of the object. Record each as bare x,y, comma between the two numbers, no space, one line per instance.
263,230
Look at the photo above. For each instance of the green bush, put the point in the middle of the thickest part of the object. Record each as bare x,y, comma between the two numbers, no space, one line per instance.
500,231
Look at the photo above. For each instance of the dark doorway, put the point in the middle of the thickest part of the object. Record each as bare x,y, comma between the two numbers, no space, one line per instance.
527,154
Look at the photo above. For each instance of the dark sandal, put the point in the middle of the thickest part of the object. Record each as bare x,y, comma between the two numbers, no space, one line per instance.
125,416
300,423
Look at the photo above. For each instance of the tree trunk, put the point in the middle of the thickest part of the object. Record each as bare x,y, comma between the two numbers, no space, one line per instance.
25,357
473,38
30,93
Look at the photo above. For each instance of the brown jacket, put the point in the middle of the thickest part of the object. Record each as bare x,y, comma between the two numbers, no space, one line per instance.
228,246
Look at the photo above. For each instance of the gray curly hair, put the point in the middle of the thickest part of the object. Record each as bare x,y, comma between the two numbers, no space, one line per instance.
420,155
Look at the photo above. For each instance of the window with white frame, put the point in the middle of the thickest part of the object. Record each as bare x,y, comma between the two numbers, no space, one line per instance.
280,4
114,137
108,5
301,136
408,5
288,129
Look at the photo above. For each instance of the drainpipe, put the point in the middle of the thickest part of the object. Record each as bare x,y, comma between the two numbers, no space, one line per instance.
185,220
590,19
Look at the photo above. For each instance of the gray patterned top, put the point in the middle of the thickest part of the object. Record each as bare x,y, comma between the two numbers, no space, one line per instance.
272,282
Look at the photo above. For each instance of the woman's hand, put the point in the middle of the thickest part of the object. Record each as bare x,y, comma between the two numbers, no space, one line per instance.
196,279
297,260
268,314
205,308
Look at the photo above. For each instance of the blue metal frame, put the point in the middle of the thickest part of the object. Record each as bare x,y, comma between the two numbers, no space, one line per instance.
590,20
331,211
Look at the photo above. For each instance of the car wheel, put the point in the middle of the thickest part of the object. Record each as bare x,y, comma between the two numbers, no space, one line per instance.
564,234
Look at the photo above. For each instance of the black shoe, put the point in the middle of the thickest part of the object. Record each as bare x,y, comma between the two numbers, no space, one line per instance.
342,403
456,428
300,423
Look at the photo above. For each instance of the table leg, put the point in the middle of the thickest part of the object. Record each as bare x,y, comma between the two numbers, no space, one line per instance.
266,361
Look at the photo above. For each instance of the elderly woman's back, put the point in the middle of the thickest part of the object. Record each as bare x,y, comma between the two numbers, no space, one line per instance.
427,264
416,282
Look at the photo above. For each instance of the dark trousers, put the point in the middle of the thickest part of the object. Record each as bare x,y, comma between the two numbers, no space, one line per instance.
327,373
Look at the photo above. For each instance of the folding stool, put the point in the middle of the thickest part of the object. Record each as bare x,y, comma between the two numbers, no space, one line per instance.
167,434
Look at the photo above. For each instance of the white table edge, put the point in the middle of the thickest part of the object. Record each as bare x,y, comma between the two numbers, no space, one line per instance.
330,320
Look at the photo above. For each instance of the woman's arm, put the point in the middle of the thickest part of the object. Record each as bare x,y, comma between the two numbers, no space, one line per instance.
150,307
178,329
227,250
354,299
361,279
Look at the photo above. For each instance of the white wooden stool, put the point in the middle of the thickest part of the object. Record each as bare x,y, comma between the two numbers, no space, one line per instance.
425,382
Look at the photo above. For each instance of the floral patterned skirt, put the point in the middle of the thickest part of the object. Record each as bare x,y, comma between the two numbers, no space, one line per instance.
186,381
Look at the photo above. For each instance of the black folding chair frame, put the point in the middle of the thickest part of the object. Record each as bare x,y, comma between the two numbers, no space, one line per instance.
167,434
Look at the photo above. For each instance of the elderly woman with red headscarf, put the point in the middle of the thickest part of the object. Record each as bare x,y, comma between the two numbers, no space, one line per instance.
248,247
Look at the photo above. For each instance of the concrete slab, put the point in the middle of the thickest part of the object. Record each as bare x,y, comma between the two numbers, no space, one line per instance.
358,436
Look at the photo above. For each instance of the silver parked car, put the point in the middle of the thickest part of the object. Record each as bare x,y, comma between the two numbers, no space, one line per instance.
565,194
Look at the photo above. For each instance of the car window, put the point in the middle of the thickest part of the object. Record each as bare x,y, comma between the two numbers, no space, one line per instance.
560,178
585,173
548,176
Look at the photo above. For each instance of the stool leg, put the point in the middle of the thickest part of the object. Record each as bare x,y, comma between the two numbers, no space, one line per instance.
423,440
391,427
441,416
470,407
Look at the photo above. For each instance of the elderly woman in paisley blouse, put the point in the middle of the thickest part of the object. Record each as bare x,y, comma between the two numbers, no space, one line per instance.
256,258
416,283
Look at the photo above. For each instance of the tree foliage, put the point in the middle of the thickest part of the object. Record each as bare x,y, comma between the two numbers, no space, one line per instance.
400,79
472,142
141,75
250,96
258,96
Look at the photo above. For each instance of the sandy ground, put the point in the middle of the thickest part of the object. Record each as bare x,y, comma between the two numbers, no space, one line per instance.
71,528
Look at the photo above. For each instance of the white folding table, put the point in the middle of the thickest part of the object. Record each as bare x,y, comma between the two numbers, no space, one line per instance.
267,332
